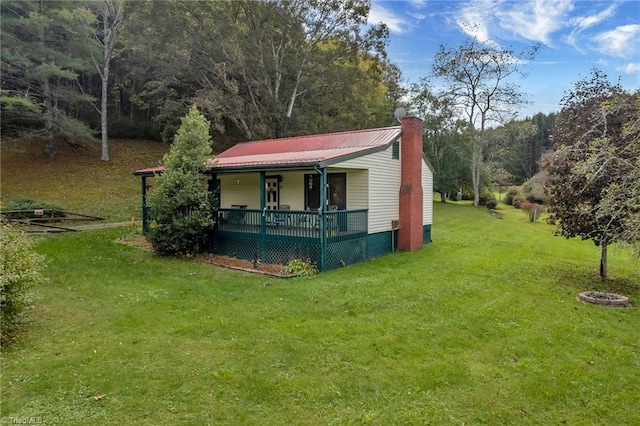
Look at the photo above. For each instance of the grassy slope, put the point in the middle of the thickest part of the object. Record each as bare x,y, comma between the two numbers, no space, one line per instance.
76,179
480,327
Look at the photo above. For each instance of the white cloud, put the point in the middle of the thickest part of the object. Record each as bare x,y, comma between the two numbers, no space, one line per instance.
583,22
418,16
632,68
474,20
623,41
418,3
536,20
379,14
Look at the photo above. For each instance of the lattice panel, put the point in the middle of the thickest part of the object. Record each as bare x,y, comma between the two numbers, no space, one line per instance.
339,253
275,252
281,253
345,253
242,248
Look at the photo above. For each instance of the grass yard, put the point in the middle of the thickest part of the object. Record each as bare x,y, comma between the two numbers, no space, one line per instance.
480,327
76,179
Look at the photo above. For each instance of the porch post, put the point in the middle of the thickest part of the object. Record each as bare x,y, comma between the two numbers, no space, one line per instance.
145,225
323,227
211,184
263,198
263,223
213,190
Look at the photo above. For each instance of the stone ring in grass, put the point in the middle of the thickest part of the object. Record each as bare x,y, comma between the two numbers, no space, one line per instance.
603,299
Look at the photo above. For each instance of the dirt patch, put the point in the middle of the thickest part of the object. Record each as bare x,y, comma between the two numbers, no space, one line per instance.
140,242
224,261
242,264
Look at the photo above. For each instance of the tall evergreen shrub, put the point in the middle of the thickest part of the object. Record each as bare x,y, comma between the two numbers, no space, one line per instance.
181,209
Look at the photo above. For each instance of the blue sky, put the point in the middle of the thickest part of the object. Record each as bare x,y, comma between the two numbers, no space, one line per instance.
578,36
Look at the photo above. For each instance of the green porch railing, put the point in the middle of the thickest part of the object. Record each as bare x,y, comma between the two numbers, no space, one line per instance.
335,238
147,218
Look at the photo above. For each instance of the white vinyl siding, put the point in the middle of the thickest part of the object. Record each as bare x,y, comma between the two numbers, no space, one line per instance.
373,182
357,187
292,189
427,194
383,187
240,189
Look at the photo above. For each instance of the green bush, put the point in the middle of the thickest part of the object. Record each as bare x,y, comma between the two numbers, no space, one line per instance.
517,201
511,193
486,195
181,208
185,235
20,269
533,189
492,204
301,268
31,205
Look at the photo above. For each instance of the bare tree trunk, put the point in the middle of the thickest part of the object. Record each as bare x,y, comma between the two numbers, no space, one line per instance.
295,93
103,110
603,262
475,173
50,145
111,11
476,167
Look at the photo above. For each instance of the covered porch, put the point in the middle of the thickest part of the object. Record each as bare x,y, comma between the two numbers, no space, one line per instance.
275,216
330,239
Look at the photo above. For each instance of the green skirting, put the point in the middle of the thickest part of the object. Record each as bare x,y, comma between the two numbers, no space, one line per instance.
426,234
385,242
339,252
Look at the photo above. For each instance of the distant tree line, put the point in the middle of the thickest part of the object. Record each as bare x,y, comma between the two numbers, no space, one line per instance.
255,69
510,152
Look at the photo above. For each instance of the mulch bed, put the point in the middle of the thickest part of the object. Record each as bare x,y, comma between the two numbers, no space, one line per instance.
224,261
242,264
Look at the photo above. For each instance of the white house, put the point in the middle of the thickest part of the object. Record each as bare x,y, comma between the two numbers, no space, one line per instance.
377,196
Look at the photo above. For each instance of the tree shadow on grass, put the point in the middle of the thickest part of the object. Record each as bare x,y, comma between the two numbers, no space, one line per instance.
578,280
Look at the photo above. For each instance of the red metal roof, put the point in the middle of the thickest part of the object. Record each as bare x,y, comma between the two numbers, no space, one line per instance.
300,150
149,171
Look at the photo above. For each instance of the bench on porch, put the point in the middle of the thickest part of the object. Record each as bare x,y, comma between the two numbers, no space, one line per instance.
279,217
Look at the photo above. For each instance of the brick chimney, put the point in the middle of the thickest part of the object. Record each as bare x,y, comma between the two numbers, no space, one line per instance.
410,209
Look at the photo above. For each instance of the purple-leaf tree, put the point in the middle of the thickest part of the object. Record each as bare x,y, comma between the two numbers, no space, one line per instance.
594,169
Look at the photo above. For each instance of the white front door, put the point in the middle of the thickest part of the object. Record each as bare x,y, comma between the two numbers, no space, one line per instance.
272,190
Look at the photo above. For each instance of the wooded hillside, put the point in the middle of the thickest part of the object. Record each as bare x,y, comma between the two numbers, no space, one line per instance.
256,69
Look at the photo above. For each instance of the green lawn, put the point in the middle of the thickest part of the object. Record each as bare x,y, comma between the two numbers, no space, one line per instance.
480,327
76,179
